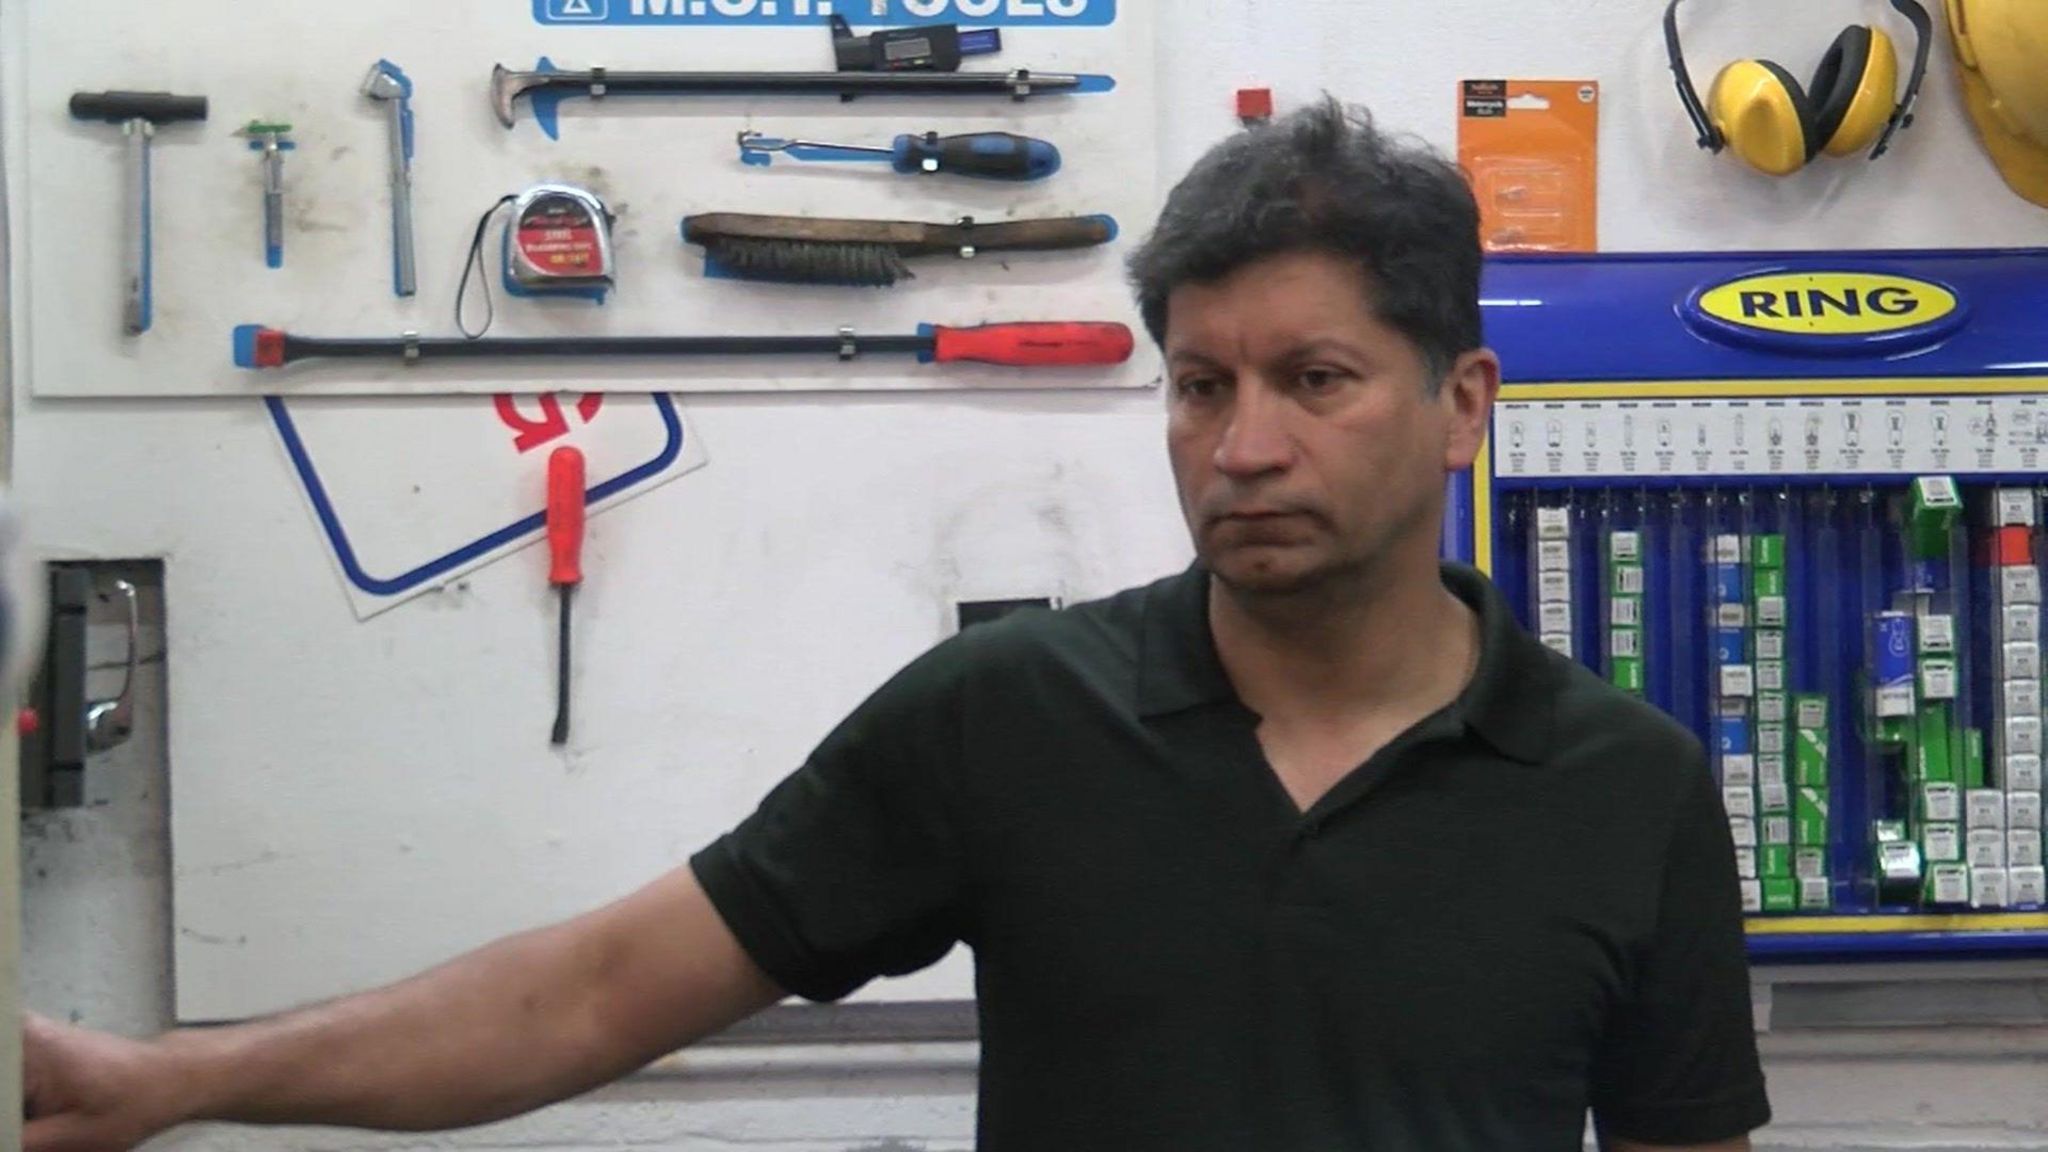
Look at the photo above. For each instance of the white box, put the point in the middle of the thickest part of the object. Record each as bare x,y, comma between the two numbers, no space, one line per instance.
1895,700
1553,587
1987,887
1625,546
1938,679
1949,883
2022,622
2027,887
2015,507
2023,810
1770,644
1558,642
1745,863
1738,771
1739,801
1937,632
1774,797
1770,611
1813,715
2022,661
2022,735
2022,773
1809,863
1770,739
1775,829
1752,895
1628,580
1731,615
1553,555
1742,830
1985,848
1770,676
2022,697
1727,550
1625,642
1771,707
1738,680
1813,894
2019,584
1985,808
1625,612
1553,524
1770,771
1941,802
2023,848
1941,843
1554,617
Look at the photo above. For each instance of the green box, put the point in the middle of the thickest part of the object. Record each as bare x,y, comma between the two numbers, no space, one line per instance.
1767,582
1933,762
1973,758
1774,861
1810,816
1781,895
1626,672
1932,511
1810,757
1767,551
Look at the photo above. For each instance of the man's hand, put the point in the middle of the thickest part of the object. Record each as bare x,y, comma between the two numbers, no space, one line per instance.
87,1092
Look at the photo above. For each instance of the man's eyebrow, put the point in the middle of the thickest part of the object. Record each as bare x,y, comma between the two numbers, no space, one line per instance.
1327,344
1190,356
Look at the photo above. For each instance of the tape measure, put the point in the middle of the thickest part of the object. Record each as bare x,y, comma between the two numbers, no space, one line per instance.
558,242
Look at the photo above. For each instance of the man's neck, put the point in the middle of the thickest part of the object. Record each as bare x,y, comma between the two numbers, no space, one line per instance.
1392,638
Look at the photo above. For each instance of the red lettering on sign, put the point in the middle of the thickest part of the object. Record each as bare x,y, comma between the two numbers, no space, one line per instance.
530,433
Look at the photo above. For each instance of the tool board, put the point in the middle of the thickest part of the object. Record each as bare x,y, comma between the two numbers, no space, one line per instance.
651,159
358,796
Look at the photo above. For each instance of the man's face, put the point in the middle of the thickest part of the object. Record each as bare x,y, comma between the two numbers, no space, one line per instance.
1305,439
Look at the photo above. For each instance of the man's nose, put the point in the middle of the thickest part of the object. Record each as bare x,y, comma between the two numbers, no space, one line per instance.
1256,439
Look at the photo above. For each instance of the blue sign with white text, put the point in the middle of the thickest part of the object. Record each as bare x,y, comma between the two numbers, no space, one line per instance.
701,13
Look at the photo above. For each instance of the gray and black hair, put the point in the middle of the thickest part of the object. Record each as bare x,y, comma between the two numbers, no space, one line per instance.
1325,179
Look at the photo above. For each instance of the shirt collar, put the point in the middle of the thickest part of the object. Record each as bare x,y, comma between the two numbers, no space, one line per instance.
1509,702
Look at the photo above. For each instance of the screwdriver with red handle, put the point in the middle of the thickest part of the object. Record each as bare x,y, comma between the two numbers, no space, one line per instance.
565,561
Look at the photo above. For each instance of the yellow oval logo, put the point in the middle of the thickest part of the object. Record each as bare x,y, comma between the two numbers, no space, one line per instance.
1828,303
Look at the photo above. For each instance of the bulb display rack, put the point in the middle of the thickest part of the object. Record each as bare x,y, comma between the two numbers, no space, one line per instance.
1797,502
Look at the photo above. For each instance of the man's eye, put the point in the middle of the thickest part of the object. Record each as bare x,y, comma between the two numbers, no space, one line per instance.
1198,387
1319,379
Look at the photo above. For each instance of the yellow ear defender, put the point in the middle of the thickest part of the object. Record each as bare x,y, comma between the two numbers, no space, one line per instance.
1758,110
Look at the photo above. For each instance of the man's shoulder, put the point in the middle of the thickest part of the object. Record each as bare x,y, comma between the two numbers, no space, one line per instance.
1600,726
1103,632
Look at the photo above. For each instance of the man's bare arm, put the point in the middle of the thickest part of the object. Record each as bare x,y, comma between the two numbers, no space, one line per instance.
522,1023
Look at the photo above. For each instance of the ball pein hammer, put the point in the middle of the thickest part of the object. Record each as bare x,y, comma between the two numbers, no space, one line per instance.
139,114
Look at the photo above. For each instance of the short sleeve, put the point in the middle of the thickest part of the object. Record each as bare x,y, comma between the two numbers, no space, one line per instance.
851,868
1678,1064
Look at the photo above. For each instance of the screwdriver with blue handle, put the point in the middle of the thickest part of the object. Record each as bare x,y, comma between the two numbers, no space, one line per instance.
982,155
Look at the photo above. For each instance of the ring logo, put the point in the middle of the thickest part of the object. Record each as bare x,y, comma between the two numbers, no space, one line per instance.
687,13
1826,312
1833,304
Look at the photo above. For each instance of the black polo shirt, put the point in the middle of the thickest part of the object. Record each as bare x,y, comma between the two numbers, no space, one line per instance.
1523,907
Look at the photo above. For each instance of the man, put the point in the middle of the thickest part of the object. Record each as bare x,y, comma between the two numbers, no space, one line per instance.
1307,847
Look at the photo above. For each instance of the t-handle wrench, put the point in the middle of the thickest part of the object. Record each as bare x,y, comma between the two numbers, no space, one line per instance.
138,114
392,88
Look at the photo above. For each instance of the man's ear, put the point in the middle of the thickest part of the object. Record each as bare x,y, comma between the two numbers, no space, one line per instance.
1467,396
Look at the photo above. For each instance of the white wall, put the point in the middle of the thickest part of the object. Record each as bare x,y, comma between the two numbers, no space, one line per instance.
97,921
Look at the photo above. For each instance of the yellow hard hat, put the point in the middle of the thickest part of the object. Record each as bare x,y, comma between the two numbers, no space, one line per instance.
2002,56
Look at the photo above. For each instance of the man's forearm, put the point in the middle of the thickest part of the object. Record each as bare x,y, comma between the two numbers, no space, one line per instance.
494,1033
522,1023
